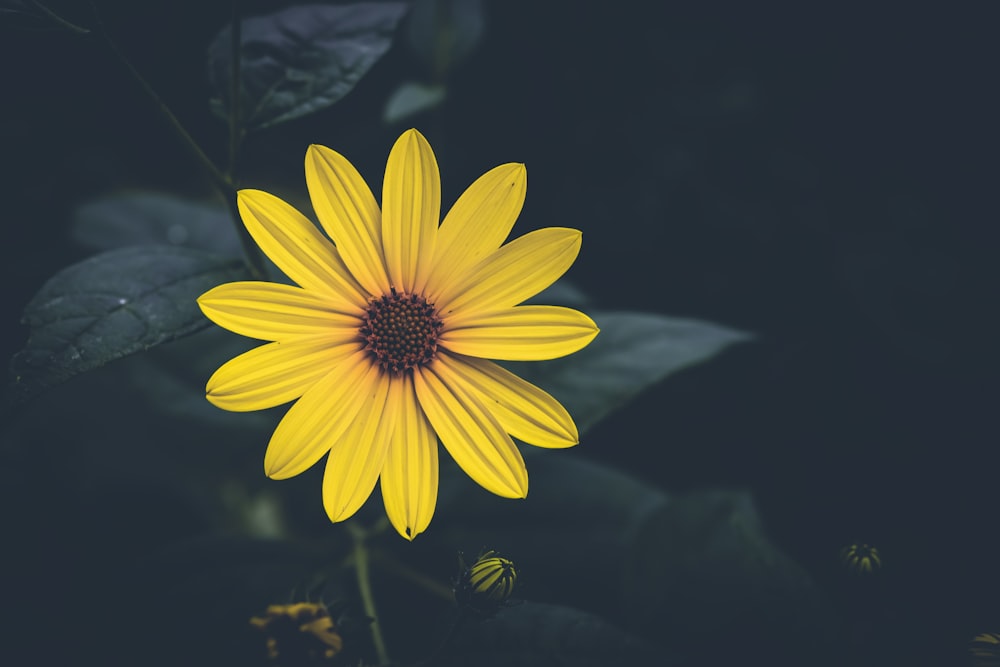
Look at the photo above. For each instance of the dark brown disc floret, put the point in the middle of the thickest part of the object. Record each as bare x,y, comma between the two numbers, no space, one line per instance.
401,330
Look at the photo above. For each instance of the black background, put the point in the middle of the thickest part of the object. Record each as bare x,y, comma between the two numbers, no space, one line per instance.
824,178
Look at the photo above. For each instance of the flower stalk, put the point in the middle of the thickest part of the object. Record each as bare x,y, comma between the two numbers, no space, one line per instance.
221,181
361,560
235,79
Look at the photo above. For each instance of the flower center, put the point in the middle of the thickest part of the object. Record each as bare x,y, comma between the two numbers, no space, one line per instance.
401,330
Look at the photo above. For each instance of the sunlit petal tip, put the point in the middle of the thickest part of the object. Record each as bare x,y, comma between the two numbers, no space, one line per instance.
412,133
409,477
513,484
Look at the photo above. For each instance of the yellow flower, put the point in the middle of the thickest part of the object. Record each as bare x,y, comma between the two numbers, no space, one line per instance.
385,340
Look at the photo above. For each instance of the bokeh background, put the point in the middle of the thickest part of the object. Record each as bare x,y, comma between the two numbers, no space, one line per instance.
822,177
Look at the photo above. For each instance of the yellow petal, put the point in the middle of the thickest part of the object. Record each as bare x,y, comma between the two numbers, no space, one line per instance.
470,433
348,212
523,410
519,270
274,374
524,333
411,210
410,474
356,458
273,311
318,419
298,248
478,223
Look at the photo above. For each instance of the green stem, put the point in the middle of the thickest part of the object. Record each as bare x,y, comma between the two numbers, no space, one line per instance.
456,624
255,261
361,562
389,563
72,27
235,74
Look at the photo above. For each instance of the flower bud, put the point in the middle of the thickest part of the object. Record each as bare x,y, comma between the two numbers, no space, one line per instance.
487,584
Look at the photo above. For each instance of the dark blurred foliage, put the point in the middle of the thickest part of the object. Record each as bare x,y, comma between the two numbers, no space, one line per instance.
824,178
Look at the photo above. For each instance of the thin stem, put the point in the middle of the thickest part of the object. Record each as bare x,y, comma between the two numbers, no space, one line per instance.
255,261
72,27
235,74
457,623
389,563
361,562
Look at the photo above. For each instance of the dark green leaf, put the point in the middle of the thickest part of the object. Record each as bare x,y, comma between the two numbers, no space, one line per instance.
137,218
570,536
632,352
702,568
533,634
605,542
112,305
300,59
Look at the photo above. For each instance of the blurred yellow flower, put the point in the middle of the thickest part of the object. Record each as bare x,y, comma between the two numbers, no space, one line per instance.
861,558
385,340
985,649
299,634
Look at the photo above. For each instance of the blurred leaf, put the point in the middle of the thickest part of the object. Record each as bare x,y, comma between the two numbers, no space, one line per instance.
632,352
300,59
137,218
569,537
533,634
603,541
702,568
111,305
443,32
412,98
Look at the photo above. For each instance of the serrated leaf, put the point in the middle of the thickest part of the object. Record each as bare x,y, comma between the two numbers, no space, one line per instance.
137,218
533,634
301,59
632,352
112,305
